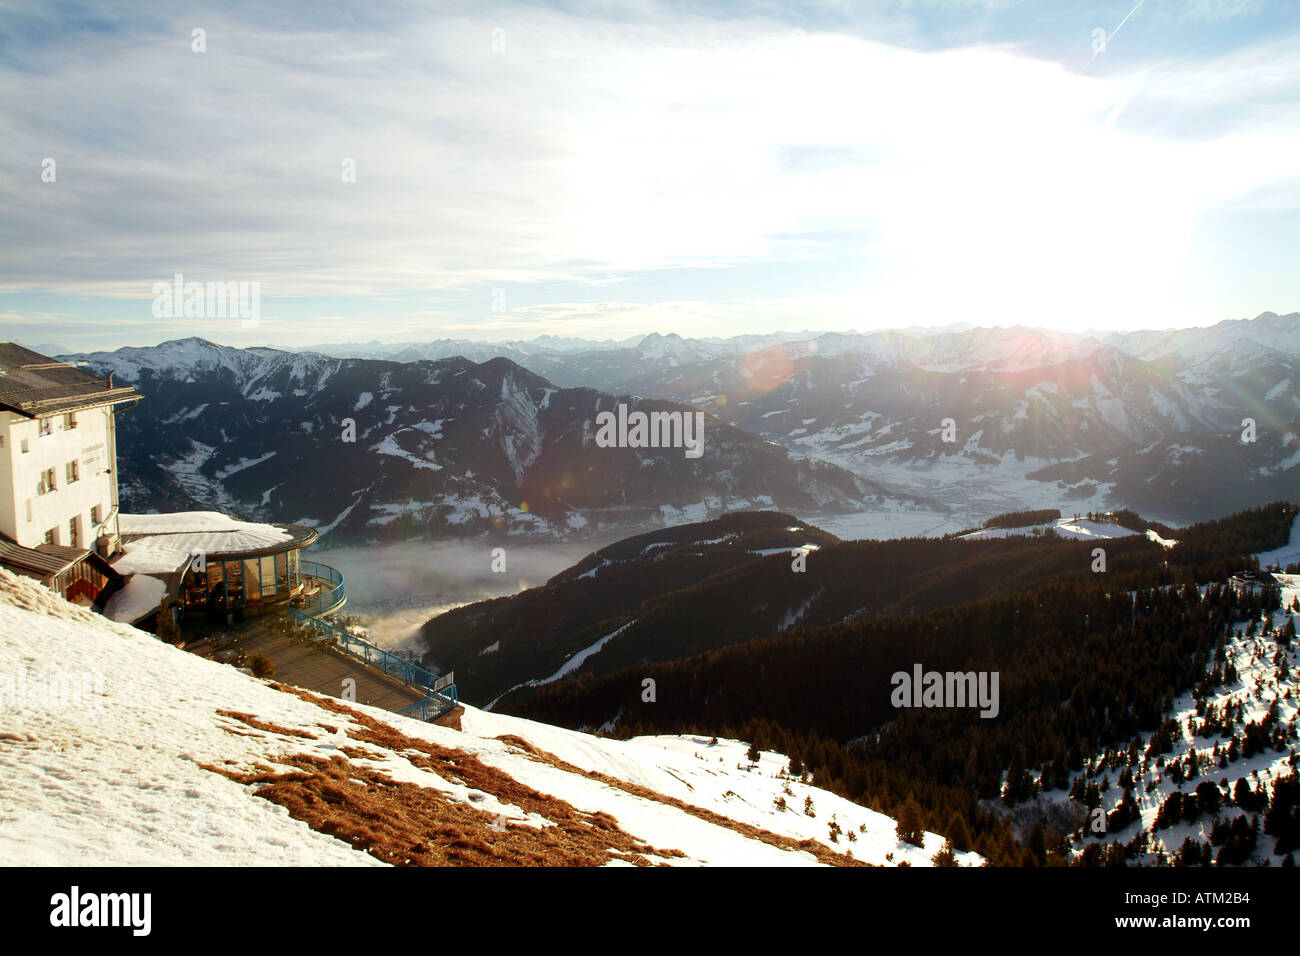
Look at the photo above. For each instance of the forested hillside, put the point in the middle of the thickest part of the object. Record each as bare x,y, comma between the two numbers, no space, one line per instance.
1086,661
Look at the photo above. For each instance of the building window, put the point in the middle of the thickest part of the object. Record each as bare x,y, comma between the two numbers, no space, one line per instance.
29,509
73,471
50,535
74,531
268,575
70,420
234,571
94,514
47,482
46,427
26,446
252,581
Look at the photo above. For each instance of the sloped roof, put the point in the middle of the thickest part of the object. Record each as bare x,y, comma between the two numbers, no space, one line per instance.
43,561
32,384
156,543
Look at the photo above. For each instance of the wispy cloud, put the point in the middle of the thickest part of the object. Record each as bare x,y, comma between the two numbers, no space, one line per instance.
518,147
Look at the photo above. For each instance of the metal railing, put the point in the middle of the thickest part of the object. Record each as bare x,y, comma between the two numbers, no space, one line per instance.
326,600
440,691
432,706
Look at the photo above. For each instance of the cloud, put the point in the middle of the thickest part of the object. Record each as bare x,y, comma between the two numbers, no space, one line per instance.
1210,11
517,146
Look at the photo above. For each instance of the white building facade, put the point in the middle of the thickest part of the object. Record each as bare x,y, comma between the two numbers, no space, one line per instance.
59,473
58,454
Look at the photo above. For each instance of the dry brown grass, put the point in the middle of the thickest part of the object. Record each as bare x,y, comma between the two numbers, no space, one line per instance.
410,825
258,724
361,753
450,719
386,736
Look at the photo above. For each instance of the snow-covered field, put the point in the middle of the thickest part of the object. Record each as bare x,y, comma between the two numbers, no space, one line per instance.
111,744
885,524
1081,529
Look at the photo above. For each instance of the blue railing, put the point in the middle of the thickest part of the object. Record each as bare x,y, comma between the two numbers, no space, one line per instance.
440,692
331,598
431,706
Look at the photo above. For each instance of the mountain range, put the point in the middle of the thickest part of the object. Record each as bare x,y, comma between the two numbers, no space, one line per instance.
369,448
458,437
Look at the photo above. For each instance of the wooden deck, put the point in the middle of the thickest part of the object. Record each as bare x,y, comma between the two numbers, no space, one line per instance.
316,668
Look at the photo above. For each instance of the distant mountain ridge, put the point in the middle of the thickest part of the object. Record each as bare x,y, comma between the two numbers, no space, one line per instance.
445,448
1147,420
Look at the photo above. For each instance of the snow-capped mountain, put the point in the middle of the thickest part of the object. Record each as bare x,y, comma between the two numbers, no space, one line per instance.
972,419
119,749
1152,421
372,448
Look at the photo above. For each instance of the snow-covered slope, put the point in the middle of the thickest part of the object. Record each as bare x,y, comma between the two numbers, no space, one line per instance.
119,749
1267,679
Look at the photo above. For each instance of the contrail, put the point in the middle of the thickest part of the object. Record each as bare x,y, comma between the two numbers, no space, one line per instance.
1115,31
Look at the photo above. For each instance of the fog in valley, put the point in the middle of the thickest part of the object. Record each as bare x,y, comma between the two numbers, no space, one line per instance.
394,588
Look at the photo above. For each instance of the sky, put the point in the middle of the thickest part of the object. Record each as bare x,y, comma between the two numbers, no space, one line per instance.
399,171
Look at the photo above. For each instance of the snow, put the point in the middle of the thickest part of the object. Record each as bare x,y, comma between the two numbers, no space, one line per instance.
883,525
188,521
389,446
104,745
243,464
162,543
692,769
805,548
576,661
1065,527
568,667
119,782
1163,542
162,555
1290,461
1289,553
1277,389
515,421
140,595
340,517
1259,685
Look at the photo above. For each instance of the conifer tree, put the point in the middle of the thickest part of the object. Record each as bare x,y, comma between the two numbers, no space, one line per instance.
959,831
908,827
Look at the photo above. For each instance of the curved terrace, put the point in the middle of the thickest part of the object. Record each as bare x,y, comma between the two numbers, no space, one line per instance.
219,564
